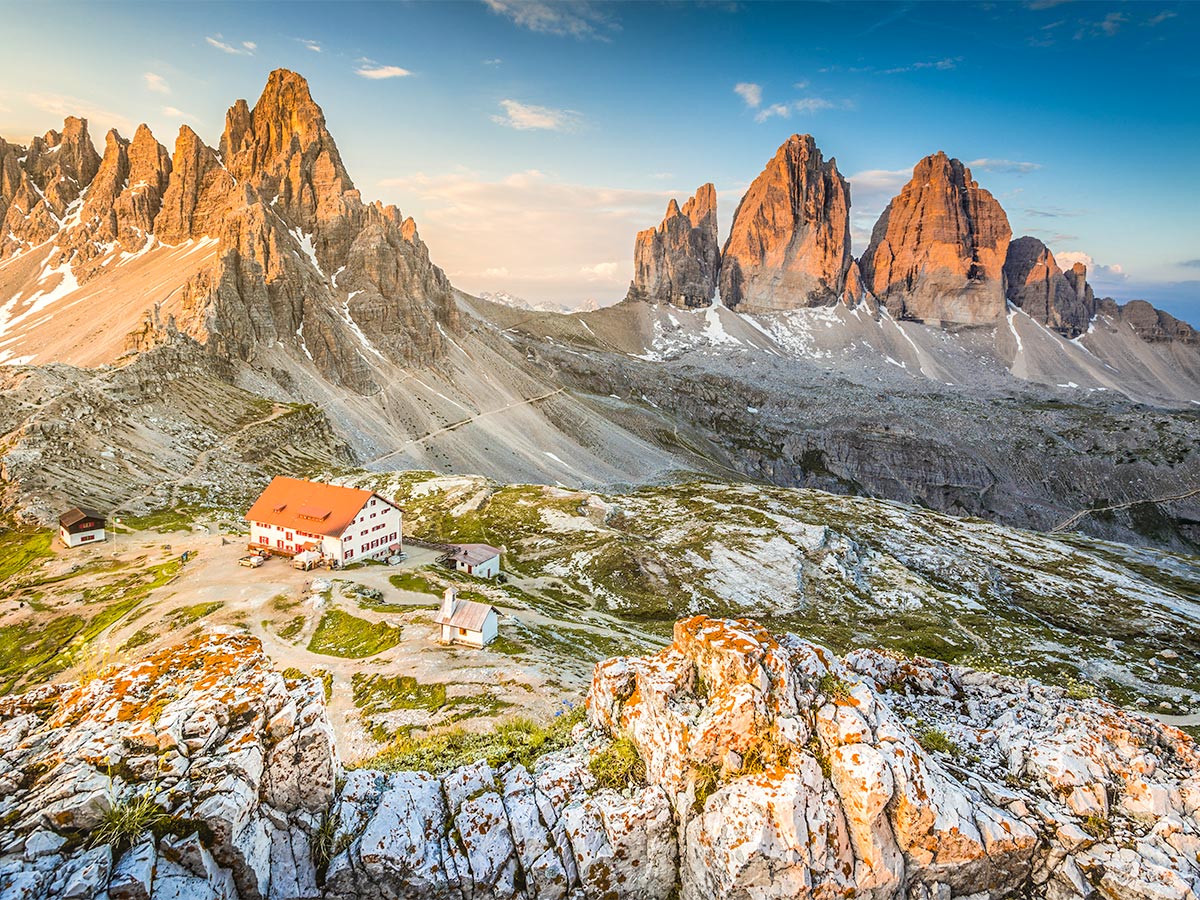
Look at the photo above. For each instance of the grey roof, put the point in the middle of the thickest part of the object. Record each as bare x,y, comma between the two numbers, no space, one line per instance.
473,554
467,614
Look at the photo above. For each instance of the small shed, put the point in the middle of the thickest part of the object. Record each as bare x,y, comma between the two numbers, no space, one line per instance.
466,621
80,526
475,559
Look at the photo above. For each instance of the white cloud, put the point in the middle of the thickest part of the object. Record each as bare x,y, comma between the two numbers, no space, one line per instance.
870,191
564,18
156,83
375,72
246,49
749,92
941,65
527,117
785,110
558,241
604,271
100,119
492,62
314,46
1010,166
172,113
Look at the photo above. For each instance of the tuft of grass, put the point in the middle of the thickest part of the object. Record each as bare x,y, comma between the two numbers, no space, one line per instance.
835,688
518,741
129,819
935,741
283,603
707,780
619,765
814,747
139,638
341,634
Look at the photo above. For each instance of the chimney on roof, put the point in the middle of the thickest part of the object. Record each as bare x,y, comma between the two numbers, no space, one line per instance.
449,599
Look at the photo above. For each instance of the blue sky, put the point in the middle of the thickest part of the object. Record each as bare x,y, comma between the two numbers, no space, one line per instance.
531,140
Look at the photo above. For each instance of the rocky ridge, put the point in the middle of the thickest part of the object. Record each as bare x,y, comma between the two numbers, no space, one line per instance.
789,245
679,262
300,259
772,769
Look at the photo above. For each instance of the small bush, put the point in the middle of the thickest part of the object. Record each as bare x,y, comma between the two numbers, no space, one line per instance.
835,688
292,629
619,765
1097,826
935,741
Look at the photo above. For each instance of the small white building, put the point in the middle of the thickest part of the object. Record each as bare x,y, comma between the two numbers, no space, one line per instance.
80,526
466,622
475,559
343,524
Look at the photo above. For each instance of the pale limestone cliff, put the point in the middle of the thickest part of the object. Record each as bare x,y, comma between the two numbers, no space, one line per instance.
679,262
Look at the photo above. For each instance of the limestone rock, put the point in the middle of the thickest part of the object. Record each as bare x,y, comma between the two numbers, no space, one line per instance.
1150,324
678,262
789,246
937,253
198,194
1035,283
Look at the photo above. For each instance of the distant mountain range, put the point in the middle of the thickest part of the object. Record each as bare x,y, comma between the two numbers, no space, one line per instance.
156,306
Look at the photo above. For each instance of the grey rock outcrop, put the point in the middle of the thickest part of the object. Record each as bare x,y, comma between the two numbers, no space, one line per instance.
1150,324
789,246
937,252
679,262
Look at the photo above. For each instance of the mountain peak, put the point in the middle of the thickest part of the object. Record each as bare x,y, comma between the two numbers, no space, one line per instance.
678,262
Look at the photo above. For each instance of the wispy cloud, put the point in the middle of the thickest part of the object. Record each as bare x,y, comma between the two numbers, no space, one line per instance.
785,110
1053,212
246,48
172,113
1008,166
314,46
941,65
1106,27
375,72
527,117
603,271
579,19
750,93
1161,17
156,83
492,62
1191,263
62,105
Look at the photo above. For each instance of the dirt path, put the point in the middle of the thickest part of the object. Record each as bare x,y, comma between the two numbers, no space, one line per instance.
1084,513
459,424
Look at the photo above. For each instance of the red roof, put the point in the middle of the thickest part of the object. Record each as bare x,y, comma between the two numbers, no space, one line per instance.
309,506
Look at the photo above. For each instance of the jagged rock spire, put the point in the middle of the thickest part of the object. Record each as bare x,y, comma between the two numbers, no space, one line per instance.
678,262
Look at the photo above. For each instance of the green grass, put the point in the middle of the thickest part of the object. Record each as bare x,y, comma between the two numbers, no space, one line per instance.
186,615
292,629
139,638
835,688
341,634
411,581
128,820
520,741
619,765
33,650
21,548
168,519
291,673
375,694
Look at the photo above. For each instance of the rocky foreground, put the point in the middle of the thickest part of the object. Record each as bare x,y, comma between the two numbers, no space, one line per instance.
772,769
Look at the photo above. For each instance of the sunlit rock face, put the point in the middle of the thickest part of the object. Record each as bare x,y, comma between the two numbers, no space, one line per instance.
937,253
789,246
678,262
